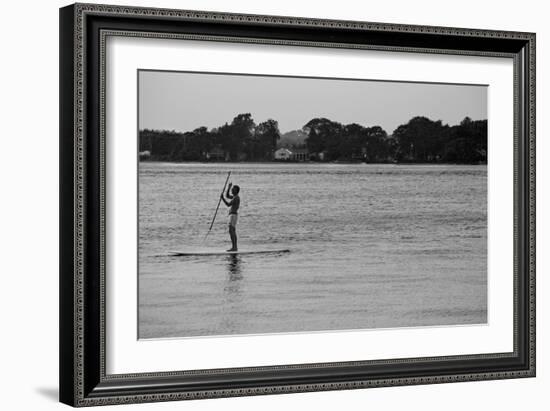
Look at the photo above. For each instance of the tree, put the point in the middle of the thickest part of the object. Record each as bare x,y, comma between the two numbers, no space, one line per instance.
347,142
323,136
194,145
378,147
467,142
420,140
236,136
266,136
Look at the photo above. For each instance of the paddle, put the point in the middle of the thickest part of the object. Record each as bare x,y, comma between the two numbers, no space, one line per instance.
216,212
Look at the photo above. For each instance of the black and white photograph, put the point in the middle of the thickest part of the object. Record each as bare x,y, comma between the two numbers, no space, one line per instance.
284,204
280,199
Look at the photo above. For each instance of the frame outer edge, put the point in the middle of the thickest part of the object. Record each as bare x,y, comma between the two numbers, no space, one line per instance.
532,201
67,331
234,17
79,36
72,110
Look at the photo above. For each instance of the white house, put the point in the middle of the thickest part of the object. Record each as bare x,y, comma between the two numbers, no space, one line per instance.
283,154
143,155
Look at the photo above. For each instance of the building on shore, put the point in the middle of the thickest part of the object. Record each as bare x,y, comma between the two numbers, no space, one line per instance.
144,155
299,154
291,154
282,154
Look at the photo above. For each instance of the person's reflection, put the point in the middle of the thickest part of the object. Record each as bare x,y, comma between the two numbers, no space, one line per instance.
234,267
232,296
235,274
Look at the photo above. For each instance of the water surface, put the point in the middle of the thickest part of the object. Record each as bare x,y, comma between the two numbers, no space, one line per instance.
371,246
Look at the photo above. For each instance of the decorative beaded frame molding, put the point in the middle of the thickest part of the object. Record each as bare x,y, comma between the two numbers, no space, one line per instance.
83,380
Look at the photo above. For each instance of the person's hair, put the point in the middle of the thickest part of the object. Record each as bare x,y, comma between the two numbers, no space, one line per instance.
237,189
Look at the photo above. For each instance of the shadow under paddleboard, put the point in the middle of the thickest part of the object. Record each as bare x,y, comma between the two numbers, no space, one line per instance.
214,252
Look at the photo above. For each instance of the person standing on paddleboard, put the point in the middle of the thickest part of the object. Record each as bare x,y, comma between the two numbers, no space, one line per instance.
234,203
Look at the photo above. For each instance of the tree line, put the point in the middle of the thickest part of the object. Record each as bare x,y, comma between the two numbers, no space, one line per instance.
242,139
420,140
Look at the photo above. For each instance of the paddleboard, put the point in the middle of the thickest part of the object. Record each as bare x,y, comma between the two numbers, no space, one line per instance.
213,252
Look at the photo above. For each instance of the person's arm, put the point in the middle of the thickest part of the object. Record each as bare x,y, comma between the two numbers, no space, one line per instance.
227,203
228,194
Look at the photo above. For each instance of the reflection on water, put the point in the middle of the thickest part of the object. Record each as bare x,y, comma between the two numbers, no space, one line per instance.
234,267
232,294
234,275
370,246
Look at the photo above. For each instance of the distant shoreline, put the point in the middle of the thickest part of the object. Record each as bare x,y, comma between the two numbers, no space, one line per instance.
318,162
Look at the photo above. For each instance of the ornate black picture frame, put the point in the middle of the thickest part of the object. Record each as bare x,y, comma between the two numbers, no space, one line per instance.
83,30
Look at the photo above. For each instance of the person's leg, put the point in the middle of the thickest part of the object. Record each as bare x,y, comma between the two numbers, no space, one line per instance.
230,229
233,235
235,219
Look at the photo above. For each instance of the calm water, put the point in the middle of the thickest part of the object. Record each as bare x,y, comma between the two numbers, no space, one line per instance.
371,246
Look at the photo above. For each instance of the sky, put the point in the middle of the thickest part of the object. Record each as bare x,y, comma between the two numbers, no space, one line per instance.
183,101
